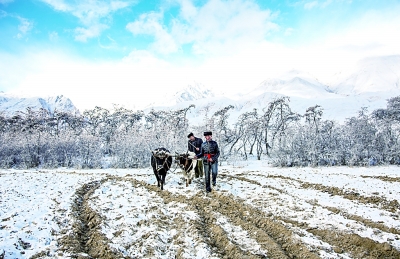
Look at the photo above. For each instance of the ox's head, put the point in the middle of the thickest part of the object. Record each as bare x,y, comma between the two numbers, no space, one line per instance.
162,159
161,153
182,159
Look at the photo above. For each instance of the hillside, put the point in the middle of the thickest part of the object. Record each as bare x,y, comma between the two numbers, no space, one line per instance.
10,104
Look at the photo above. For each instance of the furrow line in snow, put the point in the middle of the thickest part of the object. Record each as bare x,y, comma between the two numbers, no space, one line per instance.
271,235
350,243
86,239
158,224
354,244
381,202
206,225
364,221
383,178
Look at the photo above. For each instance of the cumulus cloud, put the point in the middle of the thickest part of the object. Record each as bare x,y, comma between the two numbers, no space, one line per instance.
24,26
53,36
310,5
236,54
83,34
151,24
95,16
6,1
215,27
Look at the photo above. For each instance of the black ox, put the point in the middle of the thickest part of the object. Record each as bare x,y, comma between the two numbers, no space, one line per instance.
161,161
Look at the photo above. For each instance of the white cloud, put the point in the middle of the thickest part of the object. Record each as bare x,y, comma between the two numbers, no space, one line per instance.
151,24
288,31
83,34
6,1
310,5
53,36
25,25
237,58
217,26
94,15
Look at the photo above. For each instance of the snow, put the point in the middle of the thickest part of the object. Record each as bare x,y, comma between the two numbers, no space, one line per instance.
11,104
370,84
35,208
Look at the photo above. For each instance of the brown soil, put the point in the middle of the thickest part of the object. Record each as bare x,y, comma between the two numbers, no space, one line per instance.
274,234
86,239
357,246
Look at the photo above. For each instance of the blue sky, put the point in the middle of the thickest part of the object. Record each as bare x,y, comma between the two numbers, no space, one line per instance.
126,51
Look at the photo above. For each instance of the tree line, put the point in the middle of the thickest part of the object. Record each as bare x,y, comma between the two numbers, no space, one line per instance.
122,138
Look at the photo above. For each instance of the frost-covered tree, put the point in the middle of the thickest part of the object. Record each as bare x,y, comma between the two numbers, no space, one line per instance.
223,133
362,141
313,139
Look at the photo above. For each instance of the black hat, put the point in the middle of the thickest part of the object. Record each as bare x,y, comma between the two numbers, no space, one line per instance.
207,133
190,134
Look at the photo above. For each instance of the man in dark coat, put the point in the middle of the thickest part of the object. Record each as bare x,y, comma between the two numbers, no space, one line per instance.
209,151
194,145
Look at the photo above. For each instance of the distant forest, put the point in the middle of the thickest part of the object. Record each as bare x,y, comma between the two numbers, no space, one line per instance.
122,138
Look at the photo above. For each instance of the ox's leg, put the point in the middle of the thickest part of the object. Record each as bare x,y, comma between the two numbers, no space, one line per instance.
157,177
162,181
193,172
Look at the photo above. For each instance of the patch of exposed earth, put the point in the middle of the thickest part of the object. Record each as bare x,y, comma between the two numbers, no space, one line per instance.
161,224
248,215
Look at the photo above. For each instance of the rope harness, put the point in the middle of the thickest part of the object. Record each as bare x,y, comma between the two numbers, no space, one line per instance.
162,166
186,163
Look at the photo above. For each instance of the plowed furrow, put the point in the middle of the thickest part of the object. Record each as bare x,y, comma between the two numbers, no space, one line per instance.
212,234
357,246
86,239
383,178
364,221
379,201
272,235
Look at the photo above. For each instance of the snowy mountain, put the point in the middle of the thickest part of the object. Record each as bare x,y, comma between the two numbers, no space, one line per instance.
369,85
193,93
296,84
10,104
372,75
190,94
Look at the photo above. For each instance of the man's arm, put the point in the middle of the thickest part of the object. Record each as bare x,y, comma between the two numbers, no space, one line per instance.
199,143
201,154
216,155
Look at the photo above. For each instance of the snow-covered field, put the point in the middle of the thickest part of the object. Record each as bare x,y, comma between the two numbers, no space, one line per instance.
255,211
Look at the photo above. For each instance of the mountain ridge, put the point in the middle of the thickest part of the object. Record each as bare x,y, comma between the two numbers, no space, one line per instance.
10,104
373,81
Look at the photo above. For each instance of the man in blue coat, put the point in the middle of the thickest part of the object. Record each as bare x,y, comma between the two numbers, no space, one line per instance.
209,151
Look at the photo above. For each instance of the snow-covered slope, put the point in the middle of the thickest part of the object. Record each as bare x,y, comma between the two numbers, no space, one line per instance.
370,85
10,104
193,93
296,84
372,75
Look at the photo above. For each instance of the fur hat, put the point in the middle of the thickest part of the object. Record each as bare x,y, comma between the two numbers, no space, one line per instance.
190,134
207,133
